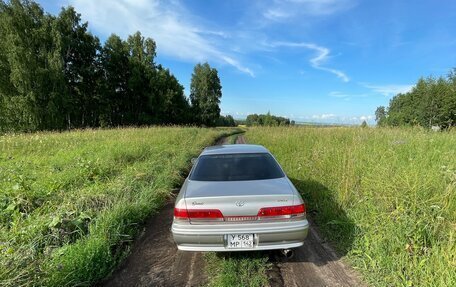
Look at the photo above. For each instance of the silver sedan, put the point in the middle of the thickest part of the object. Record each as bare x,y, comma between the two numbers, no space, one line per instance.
238,198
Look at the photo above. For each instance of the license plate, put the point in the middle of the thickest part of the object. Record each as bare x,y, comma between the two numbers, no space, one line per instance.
240,241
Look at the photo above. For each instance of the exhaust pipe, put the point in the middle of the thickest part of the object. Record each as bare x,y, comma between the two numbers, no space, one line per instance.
288,253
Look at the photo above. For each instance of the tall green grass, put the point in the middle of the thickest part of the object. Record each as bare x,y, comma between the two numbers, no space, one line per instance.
237,269
70,203
385,197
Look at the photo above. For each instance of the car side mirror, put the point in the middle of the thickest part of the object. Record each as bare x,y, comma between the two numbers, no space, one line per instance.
193,160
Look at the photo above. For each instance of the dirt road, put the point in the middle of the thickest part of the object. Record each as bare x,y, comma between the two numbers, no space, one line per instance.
314,264
155,261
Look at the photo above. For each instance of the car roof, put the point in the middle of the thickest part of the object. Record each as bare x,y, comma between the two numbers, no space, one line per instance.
234,148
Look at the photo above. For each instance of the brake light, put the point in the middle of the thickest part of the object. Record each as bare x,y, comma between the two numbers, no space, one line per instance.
180,213
197,214
282,211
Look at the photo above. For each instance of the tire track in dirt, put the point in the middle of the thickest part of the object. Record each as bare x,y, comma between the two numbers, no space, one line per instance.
155,260
240,139
315,264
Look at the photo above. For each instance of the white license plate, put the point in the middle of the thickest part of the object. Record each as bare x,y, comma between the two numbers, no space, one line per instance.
240,241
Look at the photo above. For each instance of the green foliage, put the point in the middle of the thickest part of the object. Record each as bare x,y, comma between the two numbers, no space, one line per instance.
266,120
238,269
380,115
240,122
30,64
432,102
71,203
55,75
136,92
385,197
225,121
171,106
205,94
78,104
364,124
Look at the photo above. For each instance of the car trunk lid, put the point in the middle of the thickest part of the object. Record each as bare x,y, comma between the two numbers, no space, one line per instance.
238,200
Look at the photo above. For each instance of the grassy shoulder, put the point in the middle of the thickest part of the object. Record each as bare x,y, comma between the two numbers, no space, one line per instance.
385,197
245,269
70,203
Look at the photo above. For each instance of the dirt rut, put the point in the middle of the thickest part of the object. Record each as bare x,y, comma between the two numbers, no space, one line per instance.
314,264
155,260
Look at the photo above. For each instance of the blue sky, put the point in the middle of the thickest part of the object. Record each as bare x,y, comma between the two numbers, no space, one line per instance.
329,61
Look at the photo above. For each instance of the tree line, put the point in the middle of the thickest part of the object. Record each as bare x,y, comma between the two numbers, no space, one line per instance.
56,75
267,120
431,102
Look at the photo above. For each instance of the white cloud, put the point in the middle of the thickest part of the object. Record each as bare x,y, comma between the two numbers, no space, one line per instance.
322,54
276,14
288,9
388,90
338,94
168,23
237,65
330,118
323,116
366,118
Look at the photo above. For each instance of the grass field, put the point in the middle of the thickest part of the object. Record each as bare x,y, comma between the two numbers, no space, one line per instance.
70,203
386,198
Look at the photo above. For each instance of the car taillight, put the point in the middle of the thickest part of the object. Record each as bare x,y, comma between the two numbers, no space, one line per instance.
282,211
197,214
180,214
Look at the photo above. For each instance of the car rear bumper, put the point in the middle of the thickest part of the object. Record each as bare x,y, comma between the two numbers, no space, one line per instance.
267,235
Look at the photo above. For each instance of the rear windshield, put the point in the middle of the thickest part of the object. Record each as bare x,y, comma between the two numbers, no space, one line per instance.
233,167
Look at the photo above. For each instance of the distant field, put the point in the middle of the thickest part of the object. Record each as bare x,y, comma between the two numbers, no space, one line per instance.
385,197
71,202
